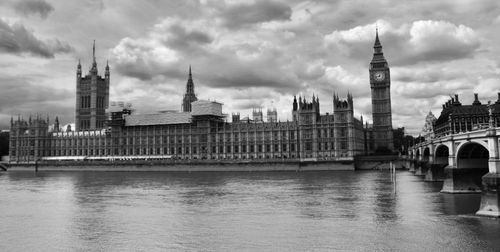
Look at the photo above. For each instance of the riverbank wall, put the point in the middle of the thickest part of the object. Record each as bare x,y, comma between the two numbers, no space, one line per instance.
186,166
378,162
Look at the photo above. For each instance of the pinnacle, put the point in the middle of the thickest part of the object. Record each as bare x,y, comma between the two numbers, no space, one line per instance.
377,41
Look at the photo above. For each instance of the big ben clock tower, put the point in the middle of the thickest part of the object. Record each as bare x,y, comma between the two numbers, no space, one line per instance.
380,83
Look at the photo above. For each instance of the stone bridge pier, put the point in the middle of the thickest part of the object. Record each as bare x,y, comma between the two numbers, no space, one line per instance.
435,172
412,162
423,162
464,171
466,162
490,199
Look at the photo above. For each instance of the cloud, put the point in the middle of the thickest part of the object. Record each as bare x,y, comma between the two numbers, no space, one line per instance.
16,39
33,7
142,58
410,43
440,40
23,96
173,44
244,14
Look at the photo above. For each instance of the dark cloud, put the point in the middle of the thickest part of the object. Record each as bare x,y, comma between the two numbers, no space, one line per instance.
21,96
180,37
244,14
16,39
243,75
33,7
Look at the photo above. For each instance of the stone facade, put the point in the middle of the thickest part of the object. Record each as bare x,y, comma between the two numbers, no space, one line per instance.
199,131
200,136
380,82
92,97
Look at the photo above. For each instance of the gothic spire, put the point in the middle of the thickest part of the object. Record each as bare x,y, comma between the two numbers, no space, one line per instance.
94,63
378,55
190,84
377,41
189,96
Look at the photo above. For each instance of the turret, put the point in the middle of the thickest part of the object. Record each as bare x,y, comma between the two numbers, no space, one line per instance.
295,103
79,70
235,117
106,73
56,125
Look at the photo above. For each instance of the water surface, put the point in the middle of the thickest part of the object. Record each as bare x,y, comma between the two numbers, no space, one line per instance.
237,211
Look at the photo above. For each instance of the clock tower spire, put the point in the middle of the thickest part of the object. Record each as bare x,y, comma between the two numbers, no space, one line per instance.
380,83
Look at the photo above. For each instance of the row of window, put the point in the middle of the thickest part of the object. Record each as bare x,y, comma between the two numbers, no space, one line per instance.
86,102
225,149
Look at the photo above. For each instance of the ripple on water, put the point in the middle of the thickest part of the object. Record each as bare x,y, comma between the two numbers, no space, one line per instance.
260,211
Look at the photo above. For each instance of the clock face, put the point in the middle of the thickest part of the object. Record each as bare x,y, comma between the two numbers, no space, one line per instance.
379,76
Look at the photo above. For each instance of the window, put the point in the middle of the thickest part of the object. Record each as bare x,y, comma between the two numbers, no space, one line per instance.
308,146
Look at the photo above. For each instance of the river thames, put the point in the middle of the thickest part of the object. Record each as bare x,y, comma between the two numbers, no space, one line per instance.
237,211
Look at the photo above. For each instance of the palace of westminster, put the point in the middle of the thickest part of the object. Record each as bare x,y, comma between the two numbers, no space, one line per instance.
200,130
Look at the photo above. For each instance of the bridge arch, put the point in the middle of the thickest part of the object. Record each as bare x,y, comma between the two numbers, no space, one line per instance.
472,155
426,154
441,154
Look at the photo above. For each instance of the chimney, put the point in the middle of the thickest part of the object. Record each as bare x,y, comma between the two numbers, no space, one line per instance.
476,100
456,97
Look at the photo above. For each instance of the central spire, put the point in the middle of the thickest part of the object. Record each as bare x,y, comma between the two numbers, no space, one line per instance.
189,96
94,63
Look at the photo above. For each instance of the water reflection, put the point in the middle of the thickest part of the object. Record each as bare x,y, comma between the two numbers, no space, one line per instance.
237,211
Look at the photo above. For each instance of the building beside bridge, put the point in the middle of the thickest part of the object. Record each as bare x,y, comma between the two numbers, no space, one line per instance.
462,150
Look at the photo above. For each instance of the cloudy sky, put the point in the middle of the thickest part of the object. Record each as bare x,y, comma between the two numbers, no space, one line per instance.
248,54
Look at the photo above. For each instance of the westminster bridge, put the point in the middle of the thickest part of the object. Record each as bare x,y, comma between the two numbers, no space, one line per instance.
466,162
